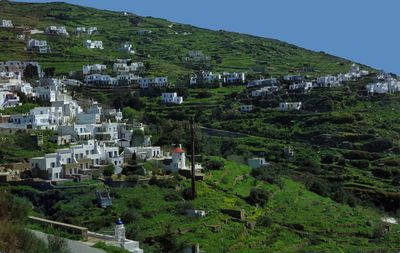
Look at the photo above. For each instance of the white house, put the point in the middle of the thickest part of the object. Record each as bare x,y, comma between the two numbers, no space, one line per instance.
61,30
8,99
99,79
246,108
234,78
144,153
45,93
196,56
263,82
293,78
303,87
94,69
171,98
264,91
285,106
84,30
94,44
145,83
6,23
38,46
205,77
327,81
126,66
256,163
127,48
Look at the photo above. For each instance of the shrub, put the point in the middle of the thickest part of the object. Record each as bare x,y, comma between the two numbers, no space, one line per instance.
258,196
361,164
378,145
204,94
264,221
172,196
360,155
214,165
57,244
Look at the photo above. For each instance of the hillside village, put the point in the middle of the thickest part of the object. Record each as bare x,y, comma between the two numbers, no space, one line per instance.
119,126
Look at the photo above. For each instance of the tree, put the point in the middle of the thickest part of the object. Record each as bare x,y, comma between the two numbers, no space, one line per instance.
129,113
31,72
109,170
49,72
258,196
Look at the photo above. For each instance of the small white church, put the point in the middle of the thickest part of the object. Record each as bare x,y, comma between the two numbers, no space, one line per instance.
129,245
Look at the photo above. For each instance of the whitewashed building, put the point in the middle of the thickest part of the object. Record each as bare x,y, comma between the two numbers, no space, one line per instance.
256,163
99,79
127,48
145,83
39,46
171,98
303,87
327,81
86,31
8,99
234,78
264,91
205,77
392,86
56,30
96,44
6,23
144,153
246,108
293,106
93,69
263,82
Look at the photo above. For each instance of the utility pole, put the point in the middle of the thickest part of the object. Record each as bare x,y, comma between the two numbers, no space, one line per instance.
193,159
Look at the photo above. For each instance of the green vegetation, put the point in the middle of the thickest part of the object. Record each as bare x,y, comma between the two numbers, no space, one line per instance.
329,197
108,248
162,50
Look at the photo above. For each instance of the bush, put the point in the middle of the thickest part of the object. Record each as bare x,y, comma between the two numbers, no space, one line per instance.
204,94
264,221
360,155
258,196
378,145
214,165
360,164
57,244
172,196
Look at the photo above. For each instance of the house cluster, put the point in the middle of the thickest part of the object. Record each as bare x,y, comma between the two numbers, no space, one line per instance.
17,68
383,87
76,161
6,23
123,73
205,77
10,85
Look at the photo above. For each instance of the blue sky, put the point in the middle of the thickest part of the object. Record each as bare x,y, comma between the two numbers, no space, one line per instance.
365,31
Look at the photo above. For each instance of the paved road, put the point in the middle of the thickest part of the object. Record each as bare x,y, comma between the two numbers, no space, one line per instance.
74,246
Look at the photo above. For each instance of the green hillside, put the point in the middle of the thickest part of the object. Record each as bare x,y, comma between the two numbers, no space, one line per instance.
329,197
163,49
